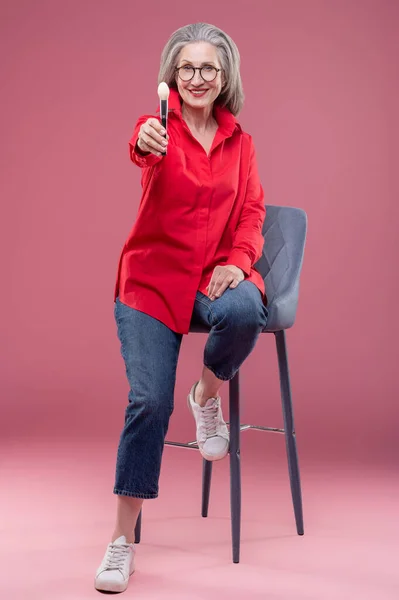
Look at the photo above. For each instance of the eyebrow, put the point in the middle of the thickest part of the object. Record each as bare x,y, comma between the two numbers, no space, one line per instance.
207,62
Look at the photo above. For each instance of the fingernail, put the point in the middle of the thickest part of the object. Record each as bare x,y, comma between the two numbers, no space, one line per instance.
163,131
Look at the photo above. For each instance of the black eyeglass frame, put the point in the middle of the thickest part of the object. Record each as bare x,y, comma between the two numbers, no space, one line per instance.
197,69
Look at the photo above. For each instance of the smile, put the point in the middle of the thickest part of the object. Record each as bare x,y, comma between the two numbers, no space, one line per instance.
198,93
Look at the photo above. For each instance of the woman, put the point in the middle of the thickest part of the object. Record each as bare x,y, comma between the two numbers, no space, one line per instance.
189,257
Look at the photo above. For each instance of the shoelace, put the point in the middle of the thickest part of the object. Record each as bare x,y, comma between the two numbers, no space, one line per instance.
116,556
210,414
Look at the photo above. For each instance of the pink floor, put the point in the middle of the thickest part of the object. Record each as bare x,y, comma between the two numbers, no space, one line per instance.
57,514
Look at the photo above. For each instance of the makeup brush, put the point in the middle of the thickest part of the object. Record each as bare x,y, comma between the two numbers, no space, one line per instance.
163,93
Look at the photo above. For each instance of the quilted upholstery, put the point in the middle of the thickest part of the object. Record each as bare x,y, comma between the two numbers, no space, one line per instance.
280,265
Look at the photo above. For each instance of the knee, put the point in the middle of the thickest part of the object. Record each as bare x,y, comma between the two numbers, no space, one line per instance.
151,404
249,318
244,316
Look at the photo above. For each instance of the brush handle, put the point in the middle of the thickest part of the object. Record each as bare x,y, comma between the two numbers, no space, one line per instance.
164,117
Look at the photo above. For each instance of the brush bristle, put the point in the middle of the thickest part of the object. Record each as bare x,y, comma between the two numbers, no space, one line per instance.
163,91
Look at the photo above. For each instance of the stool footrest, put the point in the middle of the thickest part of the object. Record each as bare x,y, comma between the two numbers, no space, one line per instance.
242,428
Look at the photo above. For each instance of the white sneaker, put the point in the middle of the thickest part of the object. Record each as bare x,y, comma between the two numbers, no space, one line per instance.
116,567
212,432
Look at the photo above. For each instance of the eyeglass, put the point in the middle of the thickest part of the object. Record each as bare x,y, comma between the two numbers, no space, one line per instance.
207,72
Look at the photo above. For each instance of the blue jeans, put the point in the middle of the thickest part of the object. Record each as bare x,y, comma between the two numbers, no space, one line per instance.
150,351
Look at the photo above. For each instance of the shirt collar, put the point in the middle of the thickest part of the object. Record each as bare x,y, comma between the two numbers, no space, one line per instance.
225,119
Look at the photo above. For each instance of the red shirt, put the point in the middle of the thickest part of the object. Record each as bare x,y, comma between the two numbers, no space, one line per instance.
196,212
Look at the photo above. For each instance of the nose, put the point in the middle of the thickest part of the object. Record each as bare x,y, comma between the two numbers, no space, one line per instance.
197,79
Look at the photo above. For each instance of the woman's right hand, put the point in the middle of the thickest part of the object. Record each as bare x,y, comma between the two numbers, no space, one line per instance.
150,138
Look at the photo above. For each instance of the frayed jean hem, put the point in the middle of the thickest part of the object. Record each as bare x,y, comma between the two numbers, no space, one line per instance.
135,495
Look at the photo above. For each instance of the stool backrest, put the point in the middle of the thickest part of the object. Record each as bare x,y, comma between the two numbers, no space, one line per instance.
280,265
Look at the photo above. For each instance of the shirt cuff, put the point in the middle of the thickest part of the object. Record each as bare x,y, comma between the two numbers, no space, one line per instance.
241,260
142,160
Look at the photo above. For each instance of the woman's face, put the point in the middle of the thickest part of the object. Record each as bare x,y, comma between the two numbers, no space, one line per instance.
198,93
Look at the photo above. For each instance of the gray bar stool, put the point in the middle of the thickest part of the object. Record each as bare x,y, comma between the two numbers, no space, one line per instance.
280,265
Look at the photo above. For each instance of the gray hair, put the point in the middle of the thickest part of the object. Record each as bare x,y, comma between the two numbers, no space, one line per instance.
232,95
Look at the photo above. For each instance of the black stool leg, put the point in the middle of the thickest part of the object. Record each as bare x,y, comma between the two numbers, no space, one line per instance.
289,429
137,529
206,485
235,470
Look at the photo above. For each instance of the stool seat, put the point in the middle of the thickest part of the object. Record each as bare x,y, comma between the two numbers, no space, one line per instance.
200,328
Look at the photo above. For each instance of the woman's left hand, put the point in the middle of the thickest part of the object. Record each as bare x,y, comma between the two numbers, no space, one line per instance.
222,278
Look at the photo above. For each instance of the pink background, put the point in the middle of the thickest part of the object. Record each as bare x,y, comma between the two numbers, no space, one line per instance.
321,84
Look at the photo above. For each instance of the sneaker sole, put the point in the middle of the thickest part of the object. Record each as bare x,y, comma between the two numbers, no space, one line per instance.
203,453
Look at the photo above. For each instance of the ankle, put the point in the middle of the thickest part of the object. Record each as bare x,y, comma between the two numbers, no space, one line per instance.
201,396
117,534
